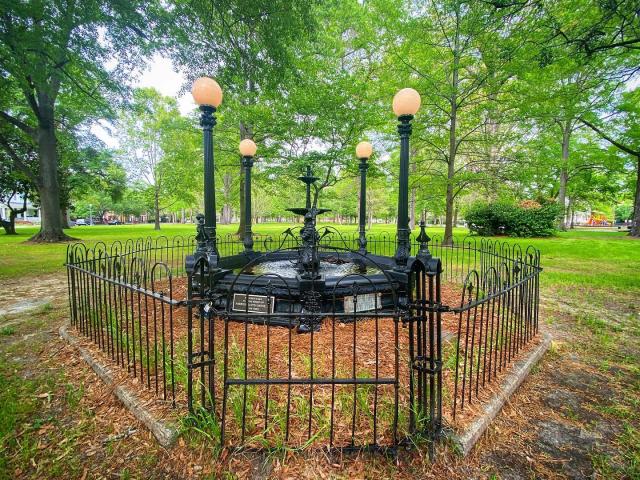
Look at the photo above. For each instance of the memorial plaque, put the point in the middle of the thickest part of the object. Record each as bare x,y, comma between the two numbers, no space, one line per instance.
365,303
256,303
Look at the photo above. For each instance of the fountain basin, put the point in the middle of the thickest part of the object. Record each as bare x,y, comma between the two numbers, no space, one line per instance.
275,291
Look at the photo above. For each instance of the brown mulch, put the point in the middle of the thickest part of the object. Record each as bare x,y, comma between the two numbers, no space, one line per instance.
363,349
89,440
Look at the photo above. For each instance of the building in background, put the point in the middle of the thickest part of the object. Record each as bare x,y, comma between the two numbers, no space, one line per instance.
31,215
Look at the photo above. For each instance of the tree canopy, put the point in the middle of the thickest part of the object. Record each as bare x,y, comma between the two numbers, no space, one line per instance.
521,100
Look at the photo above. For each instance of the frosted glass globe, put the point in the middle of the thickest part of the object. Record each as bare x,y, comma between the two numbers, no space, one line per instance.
406,102
206,91
364,150
248,148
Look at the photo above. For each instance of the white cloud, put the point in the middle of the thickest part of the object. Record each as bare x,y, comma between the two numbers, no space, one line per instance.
161,75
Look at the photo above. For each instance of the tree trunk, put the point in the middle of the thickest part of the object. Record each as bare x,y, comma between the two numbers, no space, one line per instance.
564,175
48,188
64,218
448,219
10,225
573,217
412,209
635,226
226,214
448,227
453,143
156,208
412,198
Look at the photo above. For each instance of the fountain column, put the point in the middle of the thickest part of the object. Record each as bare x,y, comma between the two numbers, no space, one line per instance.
308,179
310,281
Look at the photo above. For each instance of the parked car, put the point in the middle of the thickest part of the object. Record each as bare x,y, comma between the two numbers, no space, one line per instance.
115,222
81,222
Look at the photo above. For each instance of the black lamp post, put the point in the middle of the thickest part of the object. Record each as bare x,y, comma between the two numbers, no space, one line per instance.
248,151
363,152
405,104
208,95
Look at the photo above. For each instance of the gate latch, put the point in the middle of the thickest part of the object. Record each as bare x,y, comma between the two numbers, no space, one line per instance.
423,364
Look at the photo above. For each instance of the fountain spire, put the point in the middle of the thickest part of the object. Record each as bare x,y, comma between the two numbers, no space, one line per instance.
308,263
308,179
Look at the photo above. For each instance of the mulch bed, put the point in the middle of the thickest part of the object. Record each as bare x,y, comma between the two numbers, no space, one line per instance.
364,349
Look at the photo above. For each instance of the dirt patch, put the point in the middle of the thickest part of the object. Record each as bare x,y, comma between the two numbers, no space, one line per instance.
569,447
20,295
511,465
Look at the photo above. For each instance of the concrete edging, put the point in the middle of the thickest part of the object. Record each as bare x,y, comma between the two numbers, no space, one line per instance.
166,434
519,371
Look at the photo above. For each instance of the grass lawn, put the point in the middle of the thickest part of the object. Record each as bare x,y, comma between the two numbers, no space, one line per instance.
579,257
58,421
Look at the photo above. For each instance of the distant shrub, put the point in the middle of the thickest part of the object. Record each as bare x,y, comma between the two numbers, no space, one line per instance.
527,219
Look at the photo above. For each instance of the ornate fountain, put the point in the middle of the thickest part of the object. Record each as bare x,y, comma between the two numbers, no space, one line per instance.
309,272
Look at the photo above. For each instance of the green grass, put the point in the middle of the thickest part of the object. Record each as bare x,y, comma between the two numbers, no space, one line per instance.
7,331
590,285
576,258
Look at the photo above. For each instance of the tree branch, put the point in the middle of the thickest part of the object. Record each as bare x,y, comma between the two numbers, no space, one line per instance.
612,141
19,164
18,123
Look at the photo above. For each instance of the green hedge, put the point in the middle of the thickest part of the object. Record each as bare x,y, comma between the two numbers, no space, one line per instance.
530,220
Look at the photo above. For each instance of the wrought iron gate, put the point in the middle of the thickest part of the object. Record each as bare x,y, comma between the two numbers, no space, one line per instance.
425,344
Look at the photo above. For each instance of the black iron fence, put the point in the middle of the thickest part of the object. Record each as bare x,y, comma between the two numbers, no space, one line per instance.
365,380
497,316
122,298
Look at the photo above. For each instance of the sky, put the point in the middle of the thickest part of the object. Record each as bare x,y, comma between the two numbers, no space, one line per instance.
162,76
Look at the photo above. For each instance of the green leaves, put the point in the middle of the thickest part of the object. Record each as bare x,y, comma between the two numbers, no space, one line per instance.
502,218
161,149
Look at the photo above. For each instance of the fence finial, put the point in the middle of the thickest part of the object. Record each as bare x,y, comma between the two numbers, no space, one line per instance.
423,239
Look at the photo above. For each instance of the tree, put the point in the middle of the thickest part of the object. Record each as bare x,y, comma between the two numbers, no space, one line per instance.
331,102
133,201
51,54
588,27
14,183
456,54
592,27
559,89
627,122
248,45
157,146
